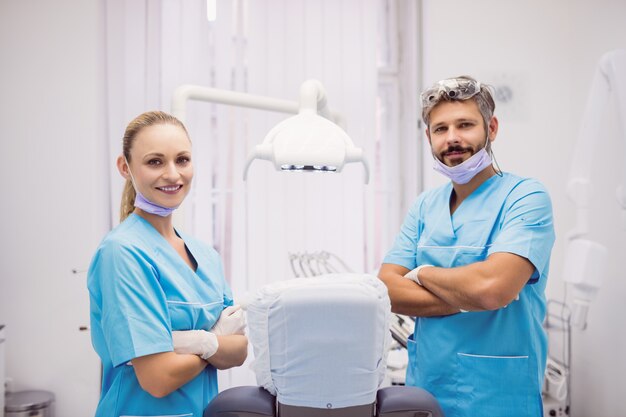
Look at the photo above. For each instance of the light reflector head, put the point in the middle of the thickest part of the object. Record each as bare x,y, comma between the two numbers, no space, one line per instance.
307,142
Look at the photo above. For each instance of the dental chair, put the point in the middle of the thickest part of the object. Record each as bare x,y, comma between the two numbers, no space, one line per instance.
320,349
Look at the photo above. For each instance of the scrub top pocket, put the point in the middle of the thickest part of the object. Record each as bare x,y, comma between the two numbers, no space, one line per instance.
468,256
190,316
495,386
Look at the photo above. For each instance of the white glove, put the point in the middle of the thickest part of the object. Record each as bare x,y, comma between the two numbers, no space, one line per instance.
195,342
413,274
231,321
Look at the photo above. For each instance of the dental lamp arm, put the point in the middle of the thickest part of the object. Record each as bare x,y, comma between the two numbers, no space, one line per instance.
579,185
608,80
315,100
233,98
585,260
355,154
617,77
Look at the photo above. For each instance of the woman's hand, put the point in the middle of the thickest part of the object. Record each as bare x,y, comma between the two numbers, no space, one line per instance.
223,352
231,321
195,342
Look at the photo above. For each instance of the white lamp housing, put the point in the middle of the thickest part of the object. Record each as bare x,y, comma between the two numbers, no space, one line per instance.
307,142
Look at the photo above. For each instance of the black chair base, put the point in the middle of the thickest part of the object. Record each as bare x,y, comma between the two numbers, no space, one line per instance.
396,401
402,401
242,402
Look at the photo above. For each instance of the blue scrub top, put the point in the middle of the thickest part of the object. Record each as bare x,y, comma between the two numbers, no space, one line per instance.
140,291
488,363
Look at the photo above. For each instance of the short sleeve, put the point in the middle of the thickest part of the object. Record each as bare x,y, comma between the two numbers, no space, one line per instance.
404,249
527,229
135,319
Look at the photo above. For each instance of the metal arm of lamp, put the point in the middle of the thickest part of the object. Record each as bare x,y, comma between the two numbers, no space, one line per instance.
585,260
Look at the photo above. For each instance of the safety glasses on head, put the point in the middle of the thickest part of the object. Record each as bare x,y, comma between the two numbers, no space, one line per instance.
452,88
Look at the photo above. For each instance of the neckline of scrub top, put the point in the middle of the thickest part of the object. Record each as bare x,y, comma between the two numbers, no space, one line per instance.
164,242
470,197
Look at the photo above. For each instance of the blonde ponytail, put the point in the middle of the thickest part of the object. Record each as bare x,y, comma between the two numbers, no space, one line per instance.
128,200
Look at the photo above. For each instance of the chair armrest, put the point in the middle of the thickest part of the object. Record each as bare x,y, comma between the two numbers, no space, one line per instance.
402,401
242,402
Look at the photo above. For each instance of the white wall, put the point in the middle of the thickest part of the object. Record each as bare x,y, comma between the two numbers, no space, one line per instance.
52,140
547,53
56,112
52,207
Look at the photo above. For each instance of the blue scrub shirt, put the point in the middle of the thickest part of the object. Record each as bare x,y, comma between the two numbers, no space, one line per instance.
488,363
140,291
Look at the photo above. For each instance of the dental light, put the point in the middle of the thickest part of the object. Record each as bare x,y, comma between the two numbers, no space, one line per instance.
308,141
586,260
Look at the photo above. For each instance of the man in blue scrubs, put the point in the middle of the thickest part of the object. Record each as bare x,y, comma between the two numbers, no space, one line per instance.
471,263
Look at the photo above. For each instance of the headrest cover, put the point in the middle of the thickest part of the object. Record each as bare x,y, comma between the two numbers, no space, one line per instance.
321,342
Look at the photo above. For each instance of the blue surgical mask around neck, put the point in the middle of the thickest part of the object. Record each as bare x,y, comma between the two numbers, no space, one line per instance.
146,205
465,171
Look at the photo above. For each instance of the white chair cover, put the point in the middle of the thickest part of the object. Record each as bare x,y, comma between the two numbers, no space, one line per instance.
321,342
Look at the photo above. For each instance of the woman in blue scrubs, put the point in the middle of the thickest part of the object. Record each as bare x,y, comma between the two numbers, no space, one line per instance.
476,252
157,293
